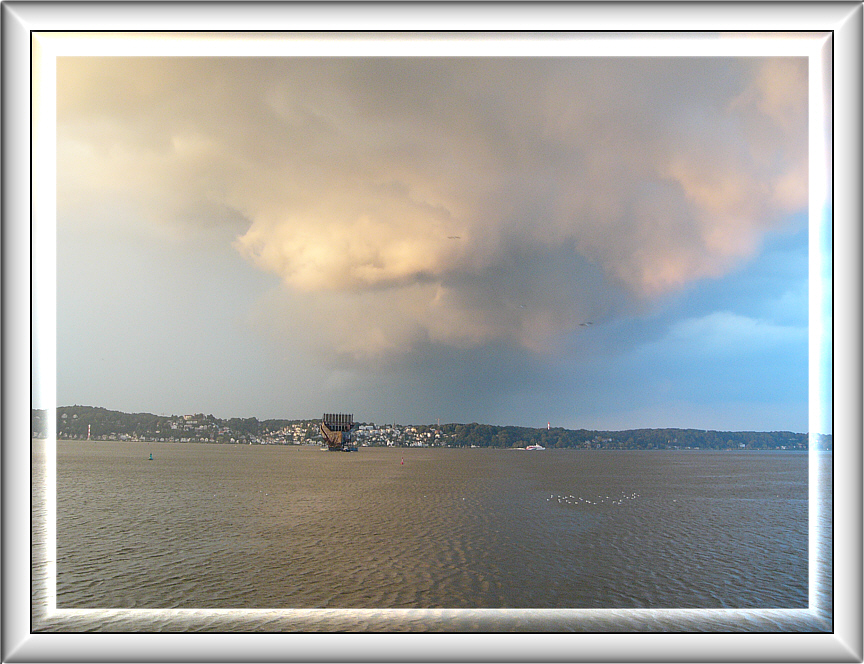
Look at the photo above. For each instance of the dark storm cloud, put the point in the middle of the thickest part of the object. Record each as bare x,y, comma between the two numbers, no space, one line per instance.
445,206
354,173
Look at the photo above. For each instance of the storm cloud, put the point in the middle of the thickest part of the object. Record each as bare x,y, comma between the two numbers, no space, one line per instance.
446,205
442,184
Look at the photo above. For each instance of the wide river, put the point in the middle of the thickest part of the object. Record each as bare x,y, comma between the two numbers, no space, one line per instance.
284,527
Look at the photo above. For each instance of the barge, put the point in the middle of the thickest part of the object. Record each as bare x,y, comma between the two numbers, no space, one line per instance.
337,431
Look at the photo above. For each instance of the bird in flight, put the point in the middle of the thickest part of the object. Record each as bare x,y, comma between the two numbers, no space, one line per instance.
586,324
454,237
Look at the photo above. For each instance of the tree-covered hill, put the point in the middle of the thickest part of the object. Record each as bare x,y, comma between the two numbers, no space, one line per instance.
79,422
76,422
483,435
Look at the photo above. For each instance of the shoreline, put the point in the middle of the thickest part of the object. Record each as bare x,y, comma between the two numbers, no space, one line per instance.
444,447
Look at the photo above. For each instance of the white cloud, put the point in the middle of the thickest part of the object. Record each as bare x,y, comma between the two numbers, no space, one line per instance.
418,186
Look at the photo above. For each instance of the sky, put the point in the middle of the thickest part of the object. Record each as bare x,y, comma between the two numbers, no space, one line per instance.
602,243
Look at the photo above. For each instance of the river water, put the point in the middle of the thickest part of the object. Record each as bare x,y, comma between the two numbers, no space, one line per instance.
275,528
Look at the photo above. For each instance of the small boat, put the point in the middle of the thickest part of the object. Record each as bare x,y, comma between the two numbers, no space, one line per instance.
535,447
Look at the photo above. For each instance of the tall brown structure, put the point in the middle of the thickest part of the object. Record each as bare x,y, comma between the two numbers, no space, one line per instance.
336,429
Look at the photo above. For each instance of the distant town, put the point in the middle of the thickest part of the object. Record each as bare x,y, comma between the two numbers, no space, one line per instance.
93,423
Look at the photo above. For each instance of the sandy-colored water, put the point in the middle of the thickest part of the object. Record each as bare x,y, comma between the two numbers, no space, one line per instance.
273,527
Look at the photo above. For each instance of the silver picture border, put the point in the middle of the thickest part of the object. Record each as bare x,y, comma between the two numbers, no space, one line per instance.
29,28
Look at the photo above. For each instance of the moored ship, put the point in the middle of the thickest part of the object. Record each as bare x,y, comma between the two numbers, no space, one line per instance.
337,431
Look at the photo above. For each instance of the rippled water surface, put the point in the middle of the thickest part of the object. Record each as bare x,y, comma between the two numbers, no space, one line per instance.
273,527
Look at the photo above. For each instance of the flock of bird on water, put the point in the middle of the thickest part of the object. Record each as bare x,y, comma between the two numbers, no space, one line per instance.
600,500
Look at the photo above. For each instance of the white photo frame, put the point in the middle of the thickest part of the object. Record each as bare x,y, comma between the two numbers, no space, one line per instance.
33,34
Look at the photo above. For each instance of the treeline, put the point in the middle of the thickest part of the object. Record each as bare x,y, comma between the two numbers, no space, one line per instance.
73,423
77,422
103,422
484,435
